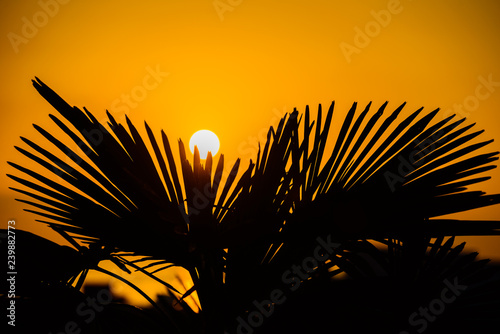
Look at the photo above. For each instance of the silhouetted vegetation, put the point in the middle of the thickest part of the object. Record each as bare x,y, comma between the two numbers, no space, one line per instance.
287,245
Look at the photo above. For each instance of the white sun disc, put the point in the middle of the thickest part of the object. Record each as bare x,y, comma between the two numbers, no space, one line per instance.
206,141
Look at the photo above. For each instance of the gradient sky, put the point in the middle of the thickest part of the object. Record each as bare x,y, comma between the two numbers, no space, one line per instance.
235,66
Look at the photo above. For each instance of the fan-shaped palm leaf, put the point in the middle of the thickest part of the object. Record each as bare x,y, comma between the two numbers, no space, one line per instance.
384,180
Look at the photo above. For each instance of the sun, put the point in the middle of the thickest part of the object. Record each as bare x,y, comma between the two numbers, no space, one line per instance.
206,141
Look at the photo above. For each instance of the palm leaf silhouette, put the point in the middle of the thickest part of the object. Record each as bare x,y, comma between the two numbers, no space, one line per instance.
377,184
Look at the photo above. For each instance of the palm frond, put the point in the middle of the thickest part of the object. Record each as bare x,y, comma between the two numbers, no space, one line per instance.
385,180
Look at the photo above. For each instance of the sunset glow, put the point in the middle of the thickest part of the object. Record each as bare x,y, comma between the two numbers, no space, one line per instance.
237,69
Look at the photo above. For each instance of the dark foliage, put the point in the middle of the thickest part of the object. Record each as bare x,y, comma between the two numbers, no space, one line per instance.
386,181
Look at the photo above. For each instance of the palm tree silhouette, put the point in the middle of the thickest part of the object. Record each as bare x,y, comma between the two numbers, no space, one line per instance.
241,241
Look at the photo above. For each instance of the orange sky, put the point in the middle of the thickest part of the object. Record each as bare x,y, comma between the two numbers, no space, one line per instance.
234,66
